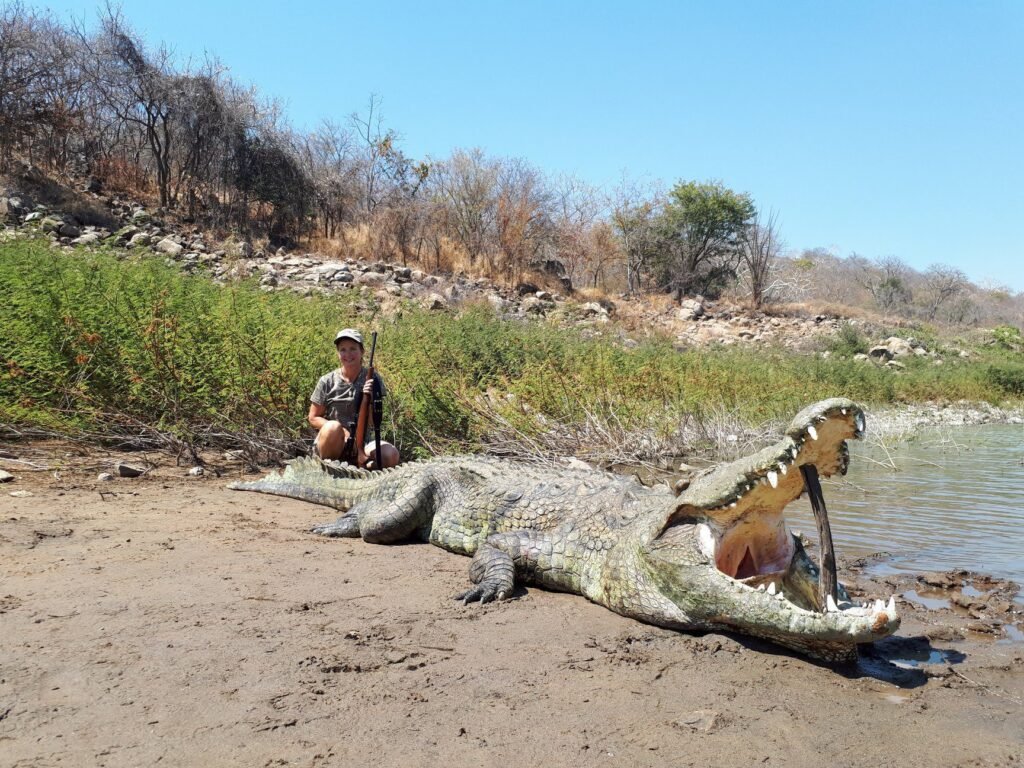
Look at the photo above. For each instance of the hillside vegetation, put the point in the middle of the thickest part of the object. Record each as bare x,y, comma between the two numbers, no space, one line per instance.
128,347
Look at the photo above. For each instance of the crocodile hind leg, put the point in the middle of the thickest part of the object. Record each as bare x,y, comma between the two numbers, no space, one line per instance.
345,527
388,519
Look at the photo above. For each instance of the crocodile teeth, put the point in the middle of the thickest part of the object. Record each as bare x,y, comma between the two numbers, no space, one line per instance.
859,422
771,588
892,604
773,478
812,432
844,411
760,587
783,468
780,596
879,605
830,604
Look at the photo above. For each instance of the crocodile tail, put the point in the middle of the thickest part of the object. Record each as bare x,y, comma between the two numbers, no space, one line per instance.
312,480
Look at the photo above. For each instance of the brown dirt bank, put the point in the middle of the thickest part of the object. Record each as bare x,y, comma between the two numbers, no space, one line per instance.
166,620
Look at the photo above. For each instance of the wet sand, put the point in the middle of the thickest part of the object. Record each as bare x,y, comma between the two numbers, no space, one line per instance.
167,620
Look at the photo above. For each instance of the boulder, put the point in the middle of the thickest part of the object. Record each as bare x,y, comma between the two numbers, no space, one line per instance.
169,247
50,224
435,301
690,309
370,278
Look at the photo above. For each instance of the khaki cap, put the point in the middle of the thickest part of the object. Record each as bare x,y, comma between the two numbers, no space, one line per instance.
349,333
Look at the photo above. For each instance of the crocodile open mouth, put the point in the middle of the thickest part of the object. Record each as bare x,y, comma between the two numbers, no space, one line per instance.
746,535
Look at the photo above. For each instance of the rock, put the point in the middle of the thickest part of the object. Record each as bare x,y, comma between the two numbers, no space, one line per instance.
526,288
531,305
435,301
892,347
50,224
127,470
69,230
20,494
690,309
169,247
139,240
141,217
370,278
880,354
701,721
87,239
34,216
104,477
124,234
499,304
195,472
5,477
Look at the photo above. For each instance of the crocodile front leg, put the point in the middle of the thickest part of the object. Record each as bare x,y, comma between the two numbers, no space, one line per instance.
493,572
532,556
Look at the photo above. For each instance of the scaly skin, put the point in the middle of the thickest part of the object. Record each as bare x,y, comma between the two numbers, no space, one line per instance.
716,557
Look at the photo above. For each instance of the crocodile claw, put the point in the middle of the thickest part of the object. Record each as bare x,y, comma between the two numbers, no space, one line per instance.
485,593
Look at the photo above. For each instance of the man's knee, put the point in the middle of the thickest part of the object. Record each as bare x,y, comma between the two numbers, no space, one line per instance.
330,440
389,454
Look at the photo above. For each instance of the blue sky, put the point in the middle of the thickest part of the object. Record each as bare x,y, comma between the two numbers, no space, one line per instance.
882,128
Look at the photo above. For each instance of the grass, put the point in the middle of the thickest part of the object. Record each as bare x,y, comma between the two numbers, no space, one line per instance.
122,347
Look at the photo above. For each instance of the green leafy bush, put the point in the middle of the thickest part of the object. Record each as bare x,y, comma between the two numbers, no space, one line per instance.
849,341
1008,377
114,346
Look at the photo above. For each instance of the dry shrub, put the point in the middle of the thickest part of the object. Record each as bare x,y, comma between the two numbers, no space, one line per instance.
124,177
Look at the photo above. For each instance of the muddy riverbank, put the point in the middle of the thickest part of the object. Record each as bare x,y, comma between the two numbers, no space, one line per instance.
165,619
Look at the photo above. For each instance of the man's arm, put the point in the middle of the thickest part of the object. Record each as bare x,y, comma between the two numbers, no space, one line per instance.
316,415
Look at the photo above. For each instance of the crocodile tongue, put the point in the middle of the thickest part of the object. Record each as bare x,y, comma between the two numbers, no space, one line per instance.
827,572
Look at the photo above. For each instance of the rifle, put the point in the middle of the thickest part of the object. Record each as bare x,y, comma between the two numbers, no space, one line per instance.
363,406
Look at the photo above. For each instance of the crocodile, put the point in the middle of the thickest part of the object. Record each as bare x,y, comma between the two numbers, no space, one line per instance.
713,555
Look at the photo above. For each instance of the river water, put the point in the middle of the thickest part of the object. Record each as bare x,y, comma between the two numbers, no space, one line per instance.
950,498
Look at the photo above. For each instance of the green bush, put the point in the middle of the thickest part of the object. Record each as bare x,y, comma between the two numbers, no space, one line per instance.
115,346
1007,377
849,341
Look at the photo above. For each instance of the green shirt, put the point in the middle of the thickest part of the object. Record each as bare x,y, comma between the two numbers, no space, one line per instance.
339,396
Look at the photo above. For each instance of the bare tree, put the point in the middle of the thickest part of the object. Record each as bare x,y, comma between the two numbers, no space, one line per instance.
760,249
466,186
575,209
942,286
633,216
39,90
138,88
886,281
